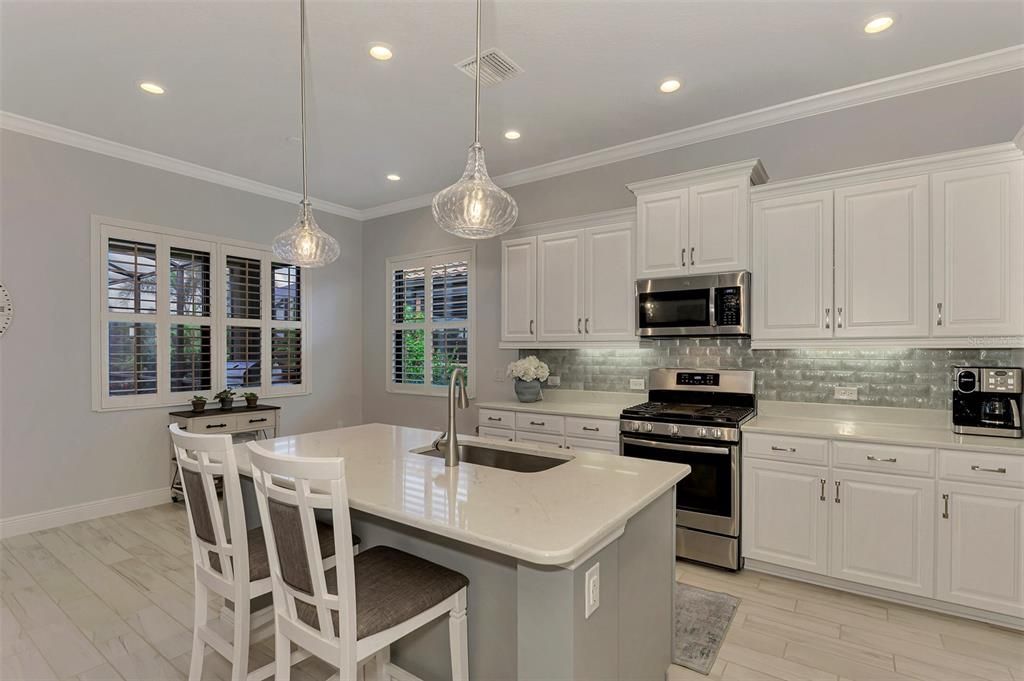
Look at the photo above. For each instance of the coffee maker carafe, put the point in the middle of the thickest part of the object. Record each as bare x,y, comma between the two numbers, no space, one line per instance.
987,401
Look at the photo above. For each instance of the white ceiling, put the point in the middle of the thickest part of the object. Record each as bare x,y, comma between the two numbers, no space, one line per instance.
591,73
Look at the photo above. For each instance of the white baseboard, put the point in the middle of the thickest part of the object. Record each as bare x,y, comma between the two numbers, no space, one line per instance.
45,520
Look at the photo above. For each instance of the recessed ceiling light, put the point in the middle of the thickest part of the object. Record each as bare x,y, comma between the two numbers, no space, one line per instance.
512,134
394,178
670,85
151,88
380,51
879,23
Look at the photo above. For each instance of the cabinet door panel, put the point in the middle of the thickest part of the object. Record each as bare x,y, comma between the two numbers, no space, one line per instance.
609,283
883,531
792,268
881,259
978,251
560,286
662,234
785,521
719,233
519,289
981,547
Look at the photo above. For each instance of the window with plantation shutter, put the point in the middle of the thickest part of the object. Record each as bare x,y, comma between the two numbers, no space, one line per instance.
169,327
430,320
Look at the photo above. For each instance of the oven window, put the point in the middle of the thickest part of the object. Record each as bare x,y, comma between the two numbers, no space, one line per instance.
708,487
668,309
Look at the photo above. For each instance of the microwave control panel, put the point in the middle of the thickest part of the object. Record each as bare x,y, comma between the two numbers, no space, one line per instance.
728,306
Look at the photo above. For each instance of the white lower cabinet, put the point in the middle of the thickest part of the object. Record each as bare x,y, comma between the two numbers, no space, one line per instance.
567,432
785,514
981,547
883,530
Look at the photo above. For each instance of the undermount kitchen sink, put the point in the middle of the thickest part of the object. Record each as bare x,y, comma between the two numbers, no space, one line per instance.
520,462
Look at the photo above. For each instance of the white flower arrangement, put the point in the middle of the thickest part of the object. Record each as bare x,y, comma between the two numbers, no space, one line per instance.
529,369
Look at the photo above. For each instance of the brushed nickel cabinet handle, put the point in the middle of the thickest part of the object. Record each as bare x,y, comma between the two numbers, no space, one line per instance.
531,327
494,418
938,307
692,249
783,449
536,423
822,497
683,257
586,325
837,491
828,317
875,458
579,325
988,470
839,317
945,505
592,430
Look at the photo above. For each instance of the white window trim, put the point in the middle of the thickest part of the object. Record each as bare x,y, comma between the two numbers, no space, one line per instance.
104,228
425,260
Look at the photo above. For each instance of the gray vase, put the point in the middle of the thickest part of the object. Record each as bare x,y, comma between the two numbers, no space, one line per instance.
528,391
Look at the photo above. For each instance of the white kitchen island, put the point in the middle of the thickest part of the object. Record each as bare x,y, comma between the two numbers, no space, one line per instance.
526,541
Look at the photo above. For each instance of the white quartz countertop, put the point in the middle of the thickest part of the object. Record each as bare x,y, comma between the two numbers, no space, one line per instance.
883,425
582,403
551,517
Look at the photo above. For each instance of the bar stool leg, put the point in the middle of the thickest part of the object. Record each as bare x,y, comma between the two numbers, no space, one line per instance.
202,600
240,646
458,635
282,657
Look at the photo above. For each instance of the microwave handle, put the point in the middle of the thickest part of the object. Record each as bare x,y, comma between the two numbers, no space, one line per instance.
711,307
1016,413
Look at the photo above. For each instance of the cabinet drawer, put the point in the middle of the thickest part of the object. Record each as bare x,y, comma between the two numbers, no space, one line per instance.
784,448
212,424
596,429
541,439
608,446
540,423
497,434
493,418
993,469
884,458
258,420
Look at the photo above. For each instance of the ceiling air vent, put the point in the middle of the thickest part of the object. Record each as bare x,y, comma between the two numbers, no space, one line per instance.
497,67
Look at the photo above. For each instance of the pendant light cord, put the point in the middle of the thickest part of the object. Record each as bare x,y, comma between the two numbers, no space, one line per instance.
302,93
476,99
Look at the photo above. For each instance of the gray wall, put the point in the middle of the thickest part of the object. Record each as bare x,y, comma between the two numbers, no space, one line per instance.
55,451
974,113
913,378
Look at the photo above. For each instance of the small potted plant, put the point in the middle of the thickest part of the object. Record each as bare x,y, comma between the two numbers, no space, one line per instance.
226,397
198,403
250,399
529,372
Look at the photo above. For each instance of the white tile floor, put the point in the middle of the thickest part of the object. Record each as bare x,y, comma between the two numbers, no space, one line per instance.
112,599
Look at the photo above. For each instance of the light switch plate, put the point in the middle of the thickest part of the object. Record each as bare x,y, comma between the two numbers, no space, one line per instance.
592,586
637,384
844,393
554,381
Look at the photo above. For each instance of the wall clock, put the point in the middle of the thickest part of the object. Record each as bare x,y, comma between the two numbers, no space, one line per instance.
6,309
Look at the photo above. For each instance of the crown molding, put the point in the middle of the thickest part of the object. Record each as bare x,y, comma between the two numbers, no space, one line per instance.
752,168
607,217
1018,139
81,140
949,73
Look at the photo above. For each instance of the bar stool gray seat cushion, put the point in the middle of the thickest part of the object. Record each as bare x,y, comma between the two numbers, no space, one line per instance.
391,587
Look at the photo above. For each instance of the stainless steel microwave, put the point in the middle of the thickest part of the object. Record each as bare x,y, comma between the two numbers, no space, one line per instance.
704,305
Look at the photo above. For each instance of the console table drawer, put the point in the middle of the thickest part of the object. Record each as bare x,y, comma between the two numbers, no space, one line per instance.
785,448
992,469
598,429
884,458
540,423
492,418
258,420
212,424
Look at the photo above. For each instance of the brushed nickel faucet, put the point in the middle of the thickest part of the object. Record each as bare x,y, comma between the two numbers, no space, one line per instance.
449,439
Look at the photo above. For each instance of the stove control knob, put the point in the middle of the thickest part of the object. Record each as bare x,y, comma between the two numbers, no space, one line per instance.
673,431
702,432
648,427
635,426
717,434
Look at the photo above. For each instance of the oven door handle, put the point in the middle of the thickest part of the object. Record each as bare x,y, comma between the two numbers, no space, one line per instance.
695,449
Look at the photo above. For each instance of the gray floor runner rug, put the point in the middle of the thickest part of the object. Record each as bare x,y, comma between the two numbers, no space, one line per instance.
700,620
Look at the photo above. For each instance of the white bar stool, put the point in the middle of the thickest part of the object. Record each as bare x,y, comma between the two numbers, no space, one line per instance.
229,561
347,614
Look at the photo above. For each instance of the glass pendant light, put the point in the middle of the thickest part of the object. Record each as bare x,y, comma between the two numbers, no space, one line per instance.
305,244
475,207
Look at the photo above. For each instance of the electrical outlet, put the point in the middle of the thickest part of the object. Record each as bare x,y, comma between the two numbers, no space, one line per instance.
637,384
499,375
554,381
843,393
592,584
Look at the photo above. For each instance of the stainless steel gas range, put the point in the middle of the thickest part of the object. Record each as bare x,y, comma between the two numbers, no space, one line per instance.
693,417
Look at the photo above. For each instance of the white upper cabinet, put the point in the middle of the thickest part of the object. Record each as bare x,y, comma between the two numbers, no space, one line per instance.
719,232
792,267
519,289
697,222
662,235
881,259
560,286
978,251
608,283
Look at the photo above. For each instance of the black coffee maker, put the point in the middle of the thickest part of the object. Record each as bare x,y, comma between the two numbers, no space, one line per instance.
987,401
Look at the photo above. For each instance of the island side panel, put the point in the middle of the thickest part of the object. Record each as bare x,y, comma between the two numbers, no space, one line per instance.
647,559
546,623
491,607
